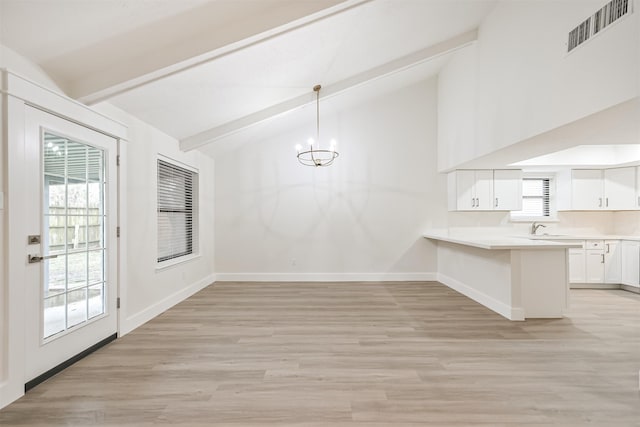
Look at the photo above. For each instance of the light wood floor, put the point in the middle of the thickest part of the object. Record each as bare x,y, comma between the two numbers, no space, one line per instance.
372,354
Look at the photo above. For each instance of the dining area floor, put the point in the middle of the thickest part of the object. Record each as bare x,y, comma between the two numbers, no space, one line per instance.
349,354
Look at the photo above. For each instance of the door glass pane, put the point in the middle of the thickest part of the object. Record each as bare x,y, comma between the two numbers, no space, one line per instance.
96,266
54,315
96,300
76,307
77,270
74,188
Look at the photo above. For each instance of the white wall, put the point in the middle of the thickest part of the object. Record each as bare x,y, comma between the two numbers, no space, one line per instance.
12,61
457,108
149,291
626,223
359,219
526,84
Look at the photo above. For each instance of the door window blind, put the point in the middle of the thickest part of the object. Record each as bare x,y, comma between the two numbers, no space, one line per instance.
176,215
535,198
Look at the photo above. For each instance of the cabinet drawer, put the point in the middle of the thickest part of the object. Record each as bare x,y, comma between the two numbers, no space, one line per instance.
594,244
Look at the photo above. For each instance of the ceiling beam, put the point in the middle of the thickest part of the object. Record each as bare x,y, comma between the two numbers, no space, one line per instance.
214,134
127,75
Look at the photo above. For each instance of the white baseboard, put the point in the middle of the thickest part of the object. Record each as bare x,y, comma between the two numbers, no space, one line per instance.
594,286
511,313
132,322
326,277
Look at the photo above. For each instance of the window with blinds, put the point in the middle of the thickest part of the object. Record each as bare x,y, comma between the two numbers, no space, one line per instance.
177,192
535,198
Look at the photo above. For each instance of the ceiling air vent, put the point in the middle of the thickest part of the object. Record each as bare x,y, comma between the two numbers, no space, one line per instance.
597,22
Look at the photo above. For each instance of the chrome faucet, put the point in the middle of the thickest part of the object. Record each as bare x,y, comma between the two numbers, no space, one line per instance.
535,226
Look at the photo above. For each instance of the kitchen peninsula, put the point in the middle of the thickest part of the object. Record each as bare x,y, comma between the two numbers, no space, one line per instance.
516,277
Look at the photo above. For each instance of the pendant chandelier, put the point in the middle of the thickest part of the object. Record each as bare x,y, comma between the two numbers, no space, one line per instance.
315,156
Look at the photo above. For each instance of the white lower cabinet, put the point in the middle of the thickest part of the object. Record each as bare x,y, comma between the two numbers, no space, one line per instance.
630,255
595,265
600,261
577,267
612,261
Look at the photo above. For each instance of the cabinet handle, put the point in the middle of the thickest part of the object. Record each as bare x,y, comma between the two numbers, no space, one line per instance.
477,202
473,202
638,200
600,202
602,262
606,201
496,202
607,248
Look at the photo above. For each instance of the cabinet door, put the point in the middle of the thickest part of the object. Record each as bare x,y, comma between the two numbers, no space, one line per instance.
637,188
612,262
631,263
587,189
577,268
595,266
620,188
484,190
507,190
465,190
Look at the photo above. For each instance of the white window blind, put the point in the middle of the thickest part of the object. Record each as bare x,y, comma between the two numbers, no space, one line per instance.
177,188
535,198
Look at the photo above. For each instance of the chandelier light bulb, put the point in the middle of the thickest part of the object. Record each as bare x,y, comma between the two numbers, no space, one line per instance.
298,147
310,141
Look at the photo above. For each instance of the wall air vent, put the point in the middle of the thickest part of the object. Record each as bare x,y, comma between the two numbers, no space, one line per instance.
597,22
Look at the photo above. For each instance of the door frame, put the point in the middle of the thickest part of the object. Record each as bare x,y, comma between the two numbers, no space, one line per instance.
17,94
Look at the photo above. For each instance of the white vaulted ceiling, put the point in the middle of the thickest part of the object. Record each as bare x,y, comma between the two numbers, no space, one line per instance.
190,66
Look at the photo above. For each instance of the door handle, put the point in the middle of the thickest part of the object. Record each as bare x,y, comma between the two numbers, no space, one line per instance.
35,258
602,262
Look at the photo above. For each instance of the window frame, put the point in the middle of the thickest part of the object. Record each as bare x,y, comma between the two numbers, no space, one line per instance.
553,211
195,229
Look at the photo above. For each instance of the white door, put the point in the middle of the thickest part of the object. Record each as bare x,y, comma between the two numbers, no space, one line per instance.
637,205
484,190
507,190
577,266
465,189
630,263
612,262
595,266
620,188
587,189
71,254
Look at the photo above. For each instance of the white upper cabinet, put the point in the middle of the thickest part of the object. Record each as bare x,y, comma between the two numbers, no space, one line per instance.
587,189
507,190
470,190
620,189
485,190
462,190
613,189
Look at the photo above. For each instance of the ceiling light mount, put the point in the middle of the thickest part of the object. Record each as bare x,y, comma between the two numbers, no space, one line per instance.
317,156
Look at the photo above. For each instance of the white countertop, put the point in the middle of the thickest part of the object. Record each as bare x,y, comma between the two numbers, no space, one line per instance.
500,242
579,237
